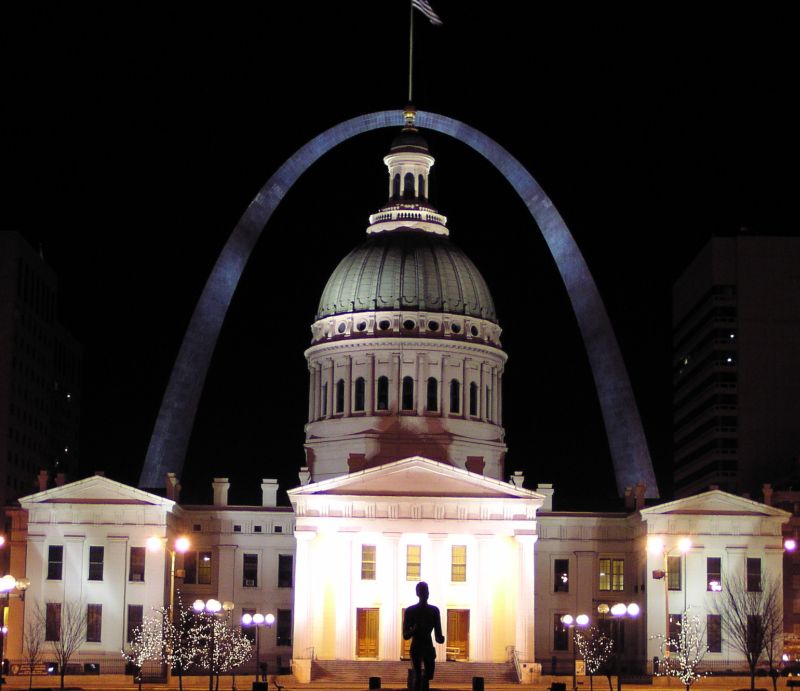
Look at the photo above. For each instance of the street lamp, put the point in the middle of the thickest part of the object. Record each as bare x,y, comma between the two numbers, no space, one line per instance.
7,584
571,622
655,545
620,611
212,607
258,620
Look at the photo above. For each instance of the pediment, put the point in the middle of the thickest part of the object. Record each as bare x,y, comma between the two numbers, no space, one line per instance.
95,490
418,477
715,502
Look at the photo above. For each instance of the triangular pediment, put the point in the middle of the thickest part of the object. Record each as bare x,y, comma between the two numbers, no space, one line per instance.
418,477
95,490
715,502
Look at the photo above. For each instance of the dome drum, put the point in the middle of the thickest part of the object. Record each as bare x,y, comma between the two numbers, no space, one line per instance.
411,324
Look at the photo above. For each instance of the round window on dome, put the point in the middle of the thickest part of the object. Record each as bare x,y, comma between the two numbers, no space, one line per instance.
433,326
409,324
474,330
384,324
455,328
342,327
361,326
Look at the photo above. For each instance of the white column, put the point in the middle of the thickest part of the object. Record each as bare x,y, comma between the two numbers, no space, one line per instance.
444,387
390,612
481,629
115,570
303,629
438,585
396,386
348,385
312,392
421,386
525,598
345,645
226,570
369,403
330,393
482,391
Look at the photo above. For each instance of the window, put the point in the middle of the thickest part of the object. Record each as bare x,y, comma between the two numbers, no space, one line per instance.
674,573
55,562
324,399
250,570
136,572
714,574
561,576
413,562
96,563
197,527
285,565
358,398
458,563
433,394
383,393
612,574
408,185
560,633
674,629
52,621
135,615
257,528
340,396
473,399
197,567
714,633
94,619
367,562
396,186
408,393
249,632
421,186
455,396
753,575
237,529
283,629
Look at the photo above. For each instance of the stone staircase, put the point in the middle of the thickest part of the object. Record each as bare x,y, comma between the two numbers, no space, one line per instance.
391,672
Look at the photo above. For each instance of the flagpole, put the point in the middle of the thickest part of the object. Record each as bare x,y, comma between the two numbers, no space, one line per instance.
410,47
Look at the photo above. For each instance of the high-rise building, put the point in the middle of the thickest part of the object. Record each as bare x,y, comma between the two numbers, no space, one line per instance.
40,373
736,339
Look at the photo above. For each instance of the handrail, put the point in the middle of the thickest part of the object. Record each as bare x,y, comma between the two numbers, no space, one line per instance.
515,659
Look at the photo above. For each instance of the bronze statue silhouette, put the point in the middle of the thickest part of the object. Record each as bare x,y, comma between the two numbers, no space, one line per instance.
418,622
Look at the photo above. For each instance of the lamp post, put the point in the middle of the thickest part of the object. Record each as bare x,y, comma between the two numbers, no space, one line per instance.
212,607
619,611
655,545
258,620
7,584
181,545
571,622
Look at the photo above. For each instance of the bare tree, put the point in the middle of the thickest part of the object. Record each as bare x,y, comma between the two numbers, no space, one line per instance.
751,614
65,630
33,644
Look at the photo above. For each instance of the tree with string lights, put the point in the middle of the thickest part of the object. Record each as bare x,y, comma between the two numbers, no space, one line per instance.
596,649
683,653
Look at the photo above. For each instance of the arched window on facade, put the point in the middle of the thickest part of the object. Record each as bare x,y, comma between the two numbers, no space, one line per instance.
383,393
421,186
408,185
340,396
396,186
407,402
324,399
358,394
473,399
455,396
433,394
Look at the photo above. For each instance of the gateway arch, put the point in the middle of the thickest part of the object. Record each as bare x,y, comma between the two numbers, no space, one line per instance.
173,427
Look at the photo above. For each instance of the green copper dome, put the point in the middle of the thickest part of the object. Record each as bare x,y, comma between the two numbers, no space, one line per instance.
407,269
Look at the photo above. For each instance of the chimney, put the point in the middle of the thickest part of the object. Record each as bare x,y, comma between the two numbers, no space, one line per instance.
638,495
517,479
42,479
173,487
628,497
305,475
547,490
61,478
269,492
767,490
220,486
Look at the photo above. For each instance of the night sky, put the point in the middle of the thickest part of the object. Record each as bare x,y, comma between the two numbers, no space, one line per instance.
133,142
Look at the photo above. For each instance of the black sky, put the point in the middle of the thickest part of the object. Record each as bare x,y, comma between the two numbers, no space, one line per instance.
132,142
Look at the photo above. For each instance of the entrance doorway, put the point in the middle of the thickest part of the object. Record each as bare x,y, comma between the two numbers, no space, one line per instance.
367,632
457,634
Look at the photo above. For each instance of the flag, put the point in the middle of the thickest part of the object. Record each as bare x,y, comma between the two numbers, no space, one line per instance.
425,7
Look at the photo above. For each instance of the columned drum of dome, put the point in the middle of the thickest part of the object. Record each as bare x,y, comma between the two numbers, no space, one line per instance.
173,426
